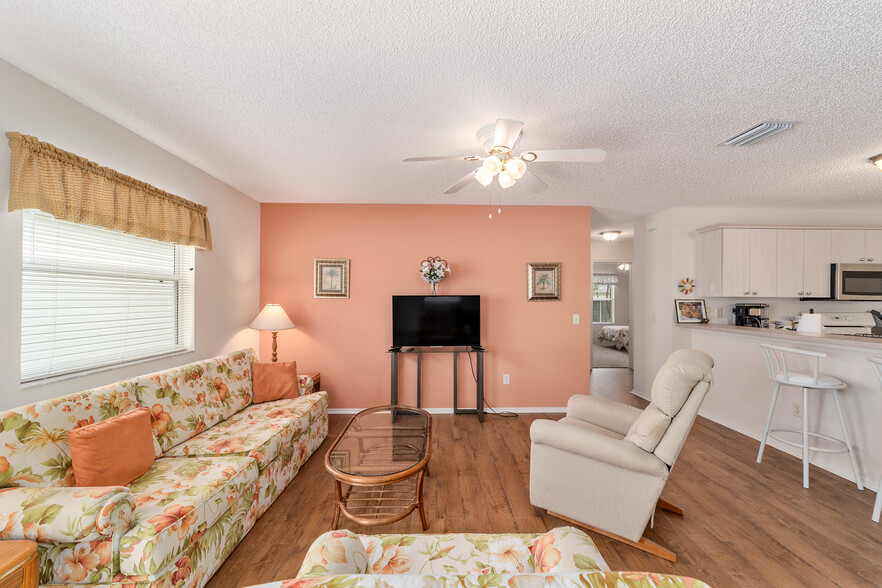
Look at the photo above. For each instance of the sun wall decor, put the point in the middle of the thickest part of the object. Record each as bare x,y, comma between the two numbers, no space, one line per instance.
686,286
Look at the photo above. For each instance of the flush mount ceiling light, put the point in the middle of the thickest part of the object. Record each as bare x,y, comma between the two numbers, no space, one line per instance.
610,235
877,161
498,141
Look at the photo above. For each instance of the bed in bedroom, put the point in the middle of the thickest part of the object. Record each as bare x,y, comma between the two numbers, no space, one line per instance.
617,336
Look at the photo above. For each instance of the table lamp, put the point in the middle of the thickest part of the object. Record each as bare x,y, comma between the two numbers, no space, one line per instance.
272,318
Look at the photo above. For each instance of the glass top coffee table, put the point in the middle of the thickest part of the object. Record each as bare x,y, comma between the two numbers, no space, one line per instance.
381,457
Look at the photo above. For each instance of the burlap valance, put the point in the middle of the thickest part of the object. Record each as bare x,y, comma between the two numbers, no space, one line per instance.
73,188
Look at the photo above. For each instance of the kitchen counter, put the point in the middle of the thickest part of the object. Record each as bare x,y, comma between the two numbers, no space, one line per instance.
741,393
791,337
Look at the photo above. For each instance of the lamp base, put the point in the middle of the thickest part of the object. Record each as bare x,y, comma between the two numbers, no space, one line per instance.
275,356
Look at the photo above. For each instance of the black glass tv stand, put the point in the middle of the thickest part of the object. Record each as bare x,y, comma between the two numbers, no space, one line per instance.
394,352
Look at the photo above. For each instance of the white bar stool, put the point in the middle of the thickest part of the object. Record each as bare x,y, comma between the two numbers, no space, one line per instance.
877,509
776,363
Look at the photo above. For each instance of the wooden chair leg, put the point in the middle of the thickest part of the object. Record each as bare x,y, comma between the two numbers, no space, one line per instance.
665,505
643,544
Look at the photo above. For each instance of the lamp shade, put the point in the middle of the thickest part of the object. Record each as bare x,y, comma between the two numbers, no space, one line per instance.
272,318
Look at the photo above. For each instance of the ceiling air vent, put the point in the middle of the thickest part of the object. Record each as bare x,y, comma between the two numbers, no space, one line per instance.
759,132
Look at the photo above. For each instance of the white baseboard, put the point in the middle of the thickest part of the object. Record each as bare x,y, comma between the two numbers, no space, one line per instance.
487,411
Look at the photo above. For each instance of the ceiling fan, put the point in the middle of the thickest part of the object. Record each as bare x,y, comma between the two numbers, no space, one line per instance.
498,141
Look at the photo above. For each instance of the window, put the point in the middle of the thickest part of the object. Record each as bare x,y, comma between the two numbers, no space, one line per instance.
94,298
604,300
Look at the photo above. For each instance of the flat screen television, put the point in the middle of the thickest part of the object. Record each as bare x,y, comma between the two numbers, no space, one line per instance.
424,321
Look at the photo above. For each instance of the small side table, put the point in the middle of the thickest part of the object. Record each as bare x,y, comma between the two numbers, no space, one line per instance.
19,564
316,377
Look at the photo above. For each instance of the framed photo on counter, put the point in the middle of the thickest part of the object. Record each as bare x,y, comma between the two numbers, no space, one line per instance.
690,310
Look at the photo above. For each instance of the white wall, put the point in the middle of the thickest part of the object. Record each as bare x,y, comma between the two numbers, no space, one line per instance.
668,253
227,278
619,250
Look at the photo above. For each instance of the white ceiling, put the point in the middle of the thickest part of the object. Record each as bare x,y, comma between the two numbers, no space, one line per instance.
318,101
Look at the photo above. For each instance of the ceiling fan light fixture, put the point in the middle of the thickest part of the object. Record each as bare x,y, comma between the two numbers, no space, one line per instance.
610,235
483,177
507,179
516,167
492,165
877,161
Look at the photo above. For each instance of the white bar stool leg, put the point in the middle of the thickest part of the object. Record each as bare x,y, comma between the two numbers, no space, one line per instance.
805,439
877,509
857,475
759,456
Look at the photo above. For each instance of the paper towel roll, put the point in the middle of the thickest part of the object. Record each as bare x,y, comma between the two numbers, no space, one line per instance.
810,323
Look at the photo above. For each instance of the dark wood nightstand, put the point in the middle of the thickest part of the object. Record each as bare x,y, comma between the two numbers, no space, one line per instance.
19,564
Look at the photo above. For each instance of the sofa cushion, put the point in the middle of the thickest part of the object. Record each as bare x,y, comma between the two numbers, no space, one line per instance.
35,436
261,431
230,375
175,502
186,400
649,428
113,452
274,380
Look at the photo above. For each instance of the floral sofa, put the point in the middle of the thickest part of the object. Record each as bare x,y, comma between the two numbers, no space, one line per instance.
221,461
559,558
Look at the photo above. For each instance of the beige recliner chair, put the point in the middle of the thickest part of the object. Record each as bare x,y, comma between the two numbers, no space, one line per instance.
603,466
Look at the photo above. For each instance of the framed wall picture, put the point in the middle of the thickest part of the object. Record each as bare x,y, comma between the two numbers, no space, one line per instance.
543,281
690,310
331,278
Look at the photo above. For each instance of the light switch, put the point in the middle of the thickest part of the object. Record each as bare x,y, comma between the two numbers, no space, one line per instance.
576,319
506,379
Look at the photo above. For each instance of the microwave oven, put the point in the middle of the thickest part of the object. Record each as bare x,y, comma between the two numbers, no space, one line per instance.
856,281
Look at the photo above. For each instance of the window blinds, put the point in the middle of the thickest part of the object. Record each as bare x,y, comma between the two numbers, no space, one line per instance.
93,298
606,278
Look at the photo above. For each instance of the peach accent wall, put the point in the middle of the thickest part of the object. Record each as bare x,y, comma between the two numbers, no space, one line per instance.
346,339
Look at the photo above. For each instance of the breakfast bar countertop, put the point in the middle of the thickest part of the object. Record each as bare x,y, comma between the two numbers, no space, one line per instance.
794,337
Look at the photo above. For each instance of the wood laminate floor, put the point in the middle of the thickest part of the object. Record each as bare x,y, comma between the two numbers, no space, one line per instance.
746,524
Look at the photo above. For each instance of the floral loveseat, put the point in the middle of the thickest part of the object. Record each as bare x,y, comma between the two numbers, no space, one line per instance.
559,558
221,461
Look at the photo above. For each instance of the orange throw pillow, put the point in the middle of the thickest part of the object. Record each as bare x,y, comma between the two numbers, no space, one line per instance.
274,380
113,452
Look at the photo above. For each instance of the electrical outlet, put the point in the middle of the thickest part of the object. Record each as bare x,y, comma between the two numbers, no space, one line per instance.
576,319
797,409
506,379
718,312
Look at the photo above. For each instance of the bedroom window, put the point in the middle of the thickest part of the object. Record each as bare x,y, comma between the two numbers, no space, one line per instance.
94,298
604,300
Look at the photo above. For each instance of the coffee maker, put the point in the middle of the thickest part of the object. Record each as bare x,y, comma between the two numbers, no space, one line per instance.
751,315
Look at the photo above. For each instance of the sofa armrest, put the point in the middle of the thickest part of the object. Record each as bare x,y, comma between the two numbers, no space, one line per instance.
307,384
65,514
603,413
583,442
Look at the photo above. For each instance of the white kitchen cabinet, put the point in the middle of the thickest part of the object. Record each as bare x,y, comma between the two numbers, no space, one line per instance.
791,262
735,262
816,263
784,262
803,263
873,240
763,262
848,246
738,262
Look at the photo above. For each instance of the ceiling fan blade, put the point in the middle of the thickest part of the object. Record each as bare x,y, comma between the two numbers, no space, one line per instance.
532,183
507,132
462,183
583,155
444,158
